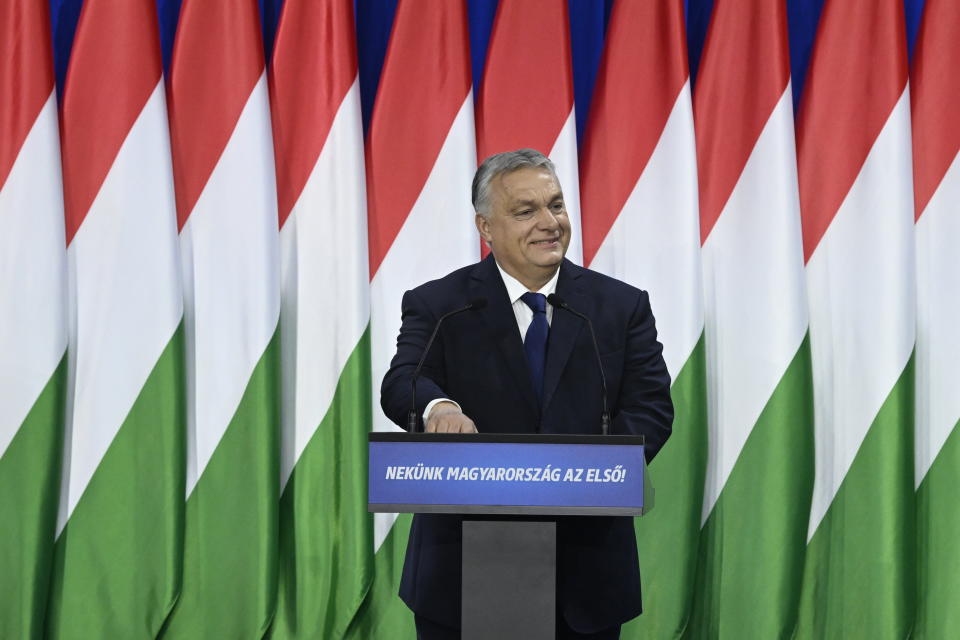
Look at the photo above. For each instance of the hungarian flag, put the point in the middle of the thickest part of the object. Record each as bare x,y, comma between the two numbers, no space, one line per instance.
229,241
856,191
526,97
935,94
421,222
118,555
760,471
640,224
33,331
326,534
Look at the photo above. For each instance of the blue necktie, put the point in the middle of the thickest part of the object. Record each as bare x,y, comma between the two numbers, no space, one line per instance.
535,342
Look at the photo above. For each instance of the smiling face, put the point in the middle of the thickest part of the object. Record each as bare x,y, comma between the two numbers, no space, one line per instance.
527,227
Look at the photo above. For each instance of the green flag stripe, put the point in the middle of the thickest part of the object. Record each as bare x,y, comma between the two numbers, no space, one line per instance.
938,532
753,543
667,538
326,534
859,580
230,552
383,614
116,568
29,490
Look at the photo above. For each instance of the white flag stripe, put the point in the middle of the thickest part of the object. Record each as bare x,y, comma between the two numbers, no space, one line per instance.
753,288
438,236
325,279
123,308
230,247
861,335
655,241
33,263
564,157
938,320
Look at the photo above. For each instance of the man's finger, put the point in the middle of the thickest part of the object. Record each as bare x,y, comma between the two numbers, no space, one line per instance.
465,425
450,422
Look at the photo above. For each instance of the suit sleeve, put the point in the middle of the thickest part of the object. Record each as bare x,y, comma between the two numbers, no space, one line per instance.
644,406
417,322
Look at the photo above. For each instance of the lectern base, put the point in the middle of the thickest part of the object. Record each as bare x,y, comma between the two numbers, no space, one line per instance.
509,580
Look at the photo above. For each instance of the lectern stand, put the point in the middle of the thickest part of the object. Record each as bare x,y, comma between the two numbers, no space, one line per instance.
509,579
509,489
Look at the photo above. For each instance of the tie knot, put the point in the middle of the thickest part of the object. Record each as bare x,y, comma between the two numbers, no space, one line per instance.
536,301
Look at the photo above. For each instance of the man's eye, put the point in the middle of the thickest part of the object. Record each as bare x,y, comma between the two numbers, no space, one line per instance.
557,206
523,215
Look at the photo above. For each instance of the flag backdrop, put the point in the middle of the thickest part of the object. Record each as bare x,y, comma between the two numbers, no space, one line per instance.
936,175
229,249
33,300
117,559
195,324
757,493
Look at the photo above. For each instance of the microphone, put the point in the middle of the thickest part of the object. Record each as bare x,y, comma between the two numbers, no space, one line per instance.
474,305
558,302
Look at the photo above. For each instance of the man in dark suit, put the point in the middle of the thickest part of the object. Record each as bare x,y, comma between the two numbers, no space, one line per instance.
518,365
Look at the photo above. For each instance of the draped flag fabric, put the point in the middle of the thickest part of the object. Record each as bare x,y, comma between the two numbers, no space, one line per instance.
229,240
420,217
198,302
935,92
33,329
531,105
326,536
639,210
856,181
759,473
117,564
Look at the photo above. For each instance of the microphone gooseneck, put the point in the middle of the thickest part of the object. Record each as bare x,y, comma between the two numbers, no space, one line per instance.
559,303
474,305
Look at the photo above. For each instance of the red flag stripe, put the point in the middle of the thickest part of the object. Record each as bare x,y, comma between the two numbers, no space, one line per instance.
217,60
744,71
858,71
935,98
26,74
525,104
641,74
114,67
425,80
314,64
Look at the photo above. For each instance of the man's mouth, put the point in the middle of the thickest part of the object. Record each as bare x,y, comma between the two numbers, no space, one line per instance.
546,243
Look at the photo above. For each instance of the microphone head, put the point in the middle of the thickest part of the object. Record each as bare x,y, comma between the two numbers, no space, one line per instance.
478,303
556,301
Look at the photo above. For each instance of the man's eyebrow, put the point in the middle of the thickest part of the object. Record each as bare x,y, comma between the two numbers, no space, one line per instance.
532,202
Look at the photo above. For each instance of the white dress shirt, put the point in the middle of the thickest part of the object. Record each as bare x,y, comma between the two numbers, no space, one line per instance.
523,313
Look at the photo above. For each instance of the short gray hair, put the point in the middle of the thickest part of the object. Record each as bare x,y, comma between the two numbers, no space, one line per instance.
501,163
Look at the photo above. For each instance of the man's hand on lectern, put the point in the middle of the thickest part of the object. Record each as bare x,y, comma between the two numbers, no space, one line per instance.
446,417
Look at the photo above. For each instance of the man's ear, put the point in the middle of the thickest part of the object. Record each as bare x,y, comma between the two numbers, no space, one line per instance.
483,227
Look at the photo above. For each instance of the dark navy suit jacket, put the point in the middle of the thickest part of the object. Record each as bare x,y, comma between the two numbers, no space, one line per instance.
478,360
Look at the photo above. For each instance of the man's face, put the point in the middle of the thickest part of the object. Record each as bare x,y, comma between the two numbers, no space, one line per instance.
528,229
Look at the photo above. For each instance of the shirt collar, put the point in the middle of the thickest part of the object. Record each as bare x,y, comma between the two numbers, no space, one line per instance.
515,289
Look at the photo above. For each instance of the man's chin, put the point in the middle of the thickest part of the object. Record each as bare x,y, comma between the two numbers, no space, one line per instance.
549,261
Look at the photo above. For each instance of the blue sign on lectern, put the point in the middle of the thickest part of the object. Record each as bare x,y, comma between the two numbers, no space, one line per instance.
508,474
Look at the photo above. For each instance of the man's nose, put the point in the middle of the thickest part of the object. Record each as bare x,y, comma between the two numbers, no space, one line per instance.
547,219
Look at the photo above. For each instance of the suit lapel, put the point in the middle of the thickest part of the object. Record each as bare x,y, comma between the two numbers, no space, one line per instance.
564,329
501,323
